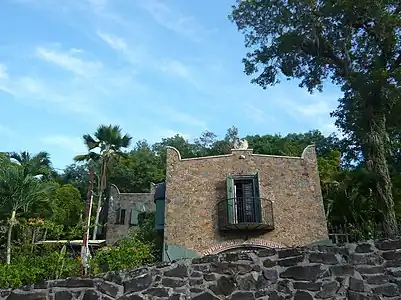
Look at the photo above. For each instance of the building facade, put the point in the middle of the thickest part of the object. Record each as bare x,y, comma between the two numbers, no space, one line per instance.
124,210
212,204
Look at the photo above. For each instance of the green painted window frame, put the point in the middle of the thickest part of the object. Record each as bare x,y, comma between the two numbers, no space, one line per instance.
134,217
230,180
230,198
256,195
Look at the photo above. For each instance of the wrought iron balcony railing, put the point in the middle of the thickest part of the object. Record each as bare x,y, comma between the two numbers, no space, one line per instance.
245,213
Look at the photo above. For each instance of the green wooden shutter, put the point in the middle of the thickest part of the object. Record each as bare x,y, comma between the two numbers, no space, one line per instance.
256,195
230,198
134,217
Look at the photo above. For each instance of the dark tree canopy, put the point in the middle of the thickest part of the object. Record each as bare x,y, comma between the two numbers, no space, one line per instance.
356,45
346,41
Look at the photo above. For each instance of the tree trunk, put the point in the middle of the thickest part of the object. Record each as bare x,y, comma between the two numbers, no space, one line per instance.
377,163
10,231
99,207
99,202
45,235
33,239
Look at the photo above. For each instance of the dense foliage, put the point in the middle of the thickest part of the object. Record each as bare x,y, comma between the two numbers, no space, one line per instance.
356,45
130,252
41,264
38,203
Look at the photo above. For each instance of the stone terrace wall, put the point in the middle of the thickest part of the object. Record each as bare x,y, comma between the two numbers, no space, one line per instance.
355,272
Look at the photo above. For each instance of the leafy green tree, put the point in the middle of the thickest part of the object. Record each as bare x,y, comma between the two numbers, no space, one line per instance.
20,193
356,44
109,141
38,164
78,176
67,206
205,143
225,145
179,142
147,233
134,172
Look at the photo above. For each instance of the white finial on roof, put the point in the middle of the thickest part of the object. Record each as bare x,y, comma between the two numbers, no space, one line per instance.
241,144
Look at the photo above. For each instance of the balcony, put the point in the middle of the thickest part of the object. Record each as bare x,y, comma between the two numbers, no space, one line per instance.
245,214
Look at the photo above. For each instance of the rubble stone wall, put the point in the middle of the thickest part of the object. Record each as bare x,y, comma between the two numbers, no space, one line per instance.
370,270
128,201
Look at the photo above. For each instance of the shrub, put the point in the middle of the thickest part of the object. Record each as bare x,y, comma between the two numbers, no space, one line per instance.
46,264
129,252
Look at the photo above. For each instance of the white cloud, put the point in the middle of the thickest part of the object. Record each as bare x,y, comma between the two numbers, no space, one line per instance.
175,67
98,4
68,143
315,108
176,116
65,97
3,72
173,20
4,78
68,61
139,56
81,95
256,114
135,56
115,42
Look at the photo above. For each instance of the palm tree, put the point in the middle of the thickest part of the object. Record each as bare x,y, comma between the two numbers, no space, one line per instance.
109,141
38,164
20,193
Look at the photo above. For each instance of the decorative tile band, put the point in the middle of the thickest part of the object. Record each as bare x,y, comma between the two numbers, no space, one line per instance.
232,244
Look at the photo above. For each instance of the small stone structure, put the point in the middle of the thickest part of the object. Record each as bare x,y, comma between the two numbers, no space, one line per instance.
195,187
126,206
370,270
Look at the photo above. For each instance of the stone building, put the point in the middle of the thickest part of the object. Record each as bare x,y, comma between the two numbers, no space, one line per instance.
216,203
124,210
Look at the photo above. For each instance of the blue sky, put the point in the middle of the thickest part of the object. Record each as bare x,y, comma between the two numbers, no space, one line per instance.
155,67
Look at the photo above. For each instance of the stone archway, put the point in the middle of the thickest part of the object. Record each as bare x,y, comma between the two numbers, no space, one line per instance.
238,244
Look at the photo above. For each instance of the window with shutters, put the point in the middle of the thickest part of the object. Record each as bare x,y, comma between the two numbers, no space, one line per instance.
243,208
243,199
134,220
120,216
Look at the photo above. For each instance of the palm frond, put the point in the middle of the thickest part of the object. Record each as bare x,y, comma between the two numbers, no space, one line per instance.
90,142
91,156
16,156
81,157
126,141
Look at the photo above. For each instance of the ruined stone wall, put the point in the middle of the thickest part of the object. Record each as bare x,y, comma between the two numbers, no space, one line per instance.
127,201
194,187
356,272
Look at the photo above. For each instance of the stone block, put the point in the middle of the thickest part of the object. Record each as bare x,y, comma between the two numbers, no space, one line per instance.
388,244
138,284
323,258
303,273
181,271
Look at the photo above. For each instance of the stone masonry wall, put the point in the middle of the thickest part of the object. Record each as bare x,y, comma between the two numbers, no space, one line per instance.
194,187
356,272
127,201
